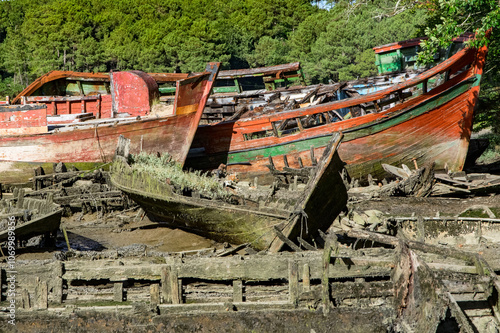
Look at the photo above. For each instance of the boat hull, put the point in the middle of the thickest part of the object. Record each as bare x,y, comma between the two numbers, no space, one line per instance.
48,221
89,146
320,203
433,127
94,143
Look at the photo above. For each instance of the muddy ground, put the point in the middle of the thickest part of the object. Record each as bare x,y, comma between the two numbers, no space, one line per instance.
122,230
131,228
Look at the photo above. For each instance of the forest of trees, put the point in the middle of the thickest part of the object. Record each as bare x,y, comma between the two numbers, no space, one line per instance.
37,36
333,41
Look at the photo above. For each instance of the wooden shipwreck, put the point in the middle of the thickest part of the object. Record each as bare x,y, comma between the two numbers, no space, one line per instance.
29,137
31,217
425,119
265,218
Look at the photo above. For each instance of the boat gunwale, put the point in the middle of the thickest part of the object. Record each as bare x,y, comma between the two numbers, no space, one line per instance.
379,120
199,202
354,101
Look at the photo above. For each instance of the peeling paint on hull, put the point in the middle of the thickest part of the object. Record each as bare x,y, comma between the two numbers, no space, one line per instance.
432,127
95,143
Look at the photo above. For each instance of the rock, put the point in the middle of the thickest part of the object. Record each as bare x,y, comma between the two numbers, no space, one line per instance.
373,212
358,219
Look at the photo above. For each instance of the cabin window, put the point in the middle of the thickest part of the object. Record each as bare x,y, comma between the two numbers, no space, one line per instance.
94,88
258,135
226,86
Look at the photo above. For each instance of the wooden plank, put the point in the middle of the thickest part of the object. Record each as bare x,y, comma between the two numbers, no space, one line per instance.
293,282
165,290
306,277
118,292
456,311
263,268
286,240
237,291
154,291
173,282
41,294
306,245
325,281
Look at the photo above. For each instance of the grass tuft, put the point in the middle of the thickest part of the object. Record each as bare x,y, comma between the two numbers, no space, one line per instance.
165,169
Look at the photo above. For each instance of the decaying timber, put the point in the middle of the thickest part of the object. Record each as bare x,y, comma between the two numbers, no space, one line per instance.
424,181
78,191
427,119
406,286
265,218
92,143
32,217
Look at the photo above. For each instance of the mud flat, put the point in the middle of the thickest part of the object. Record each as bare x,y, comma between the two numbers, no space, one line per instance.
398,264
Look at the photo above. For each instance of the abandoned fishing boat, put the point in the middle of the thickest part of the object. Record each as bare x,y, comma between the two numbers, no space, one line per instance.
265,217
31,217
425,119
283,86
28,140
90,95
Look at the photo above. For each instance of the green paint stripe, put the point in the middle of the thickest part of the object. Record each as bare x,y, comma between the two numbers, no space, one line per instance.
354,133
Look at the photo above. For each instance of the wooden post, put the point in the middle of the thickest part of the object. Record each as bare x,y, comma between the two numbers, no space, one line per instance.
66,238
175,287
25,299
41,294
306,278
155,294
57,283
237,291
165,290
325,283
171,286
330,244
20,198
118,292
293,282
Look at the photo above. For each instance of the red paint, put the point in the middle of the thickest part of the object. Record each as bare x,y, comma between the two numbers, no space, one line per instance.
414,42
97,142
134,92
442,134
32,120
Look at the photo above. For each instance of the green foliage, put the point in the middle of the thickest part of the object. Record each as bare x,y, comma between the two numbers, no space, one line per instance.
449,19
269,51
165,169
10,87
341,41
